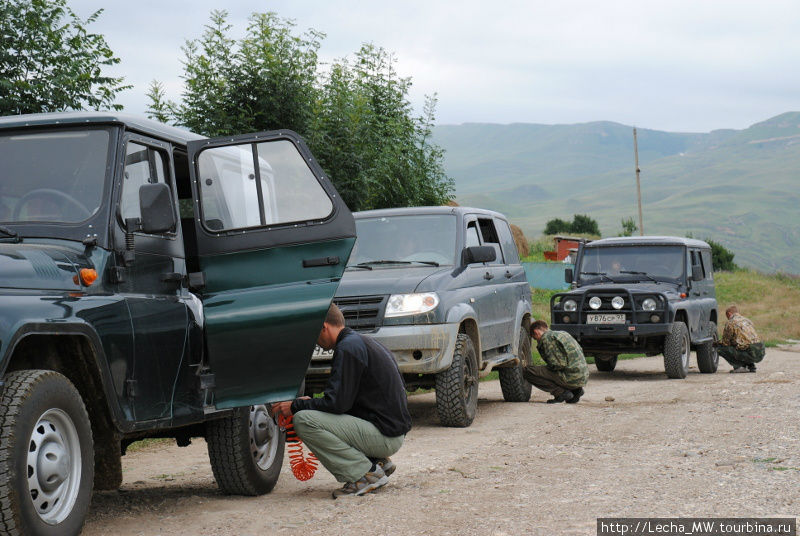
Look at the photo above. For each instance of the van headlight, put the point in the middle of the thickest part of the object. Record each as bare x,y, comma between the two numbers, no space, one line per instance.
411,304
649,304
570,306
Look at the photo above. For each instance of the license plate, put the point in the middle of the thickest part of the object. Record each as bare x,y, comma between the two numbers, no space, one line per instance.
606,318
319,353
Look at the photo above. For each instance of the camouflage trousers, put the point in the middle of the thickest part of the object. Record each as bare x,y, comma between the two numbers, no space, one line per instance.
545,379
741,358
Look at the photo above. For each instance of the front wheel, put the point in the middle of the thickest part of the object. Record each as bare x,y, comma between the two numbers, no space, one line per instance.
676,351
246,451
457,387
512,382
46,455
707,356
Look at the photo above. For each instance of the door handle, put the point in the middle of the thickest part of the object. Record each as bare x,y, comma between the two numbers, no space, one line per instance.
172,277
509,275
488,275
320,261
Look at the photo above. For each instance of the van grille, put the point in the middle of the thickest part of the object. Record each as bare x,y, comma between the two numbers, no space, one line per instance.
362,313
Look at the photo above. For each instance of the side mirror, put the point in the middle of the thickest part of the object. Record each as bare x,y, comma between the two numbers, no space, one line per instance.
568,275
697,272
477,254
157,210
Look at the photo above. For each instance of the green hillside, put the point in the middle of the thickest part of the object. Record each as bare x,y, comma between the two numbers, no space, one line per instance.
740,188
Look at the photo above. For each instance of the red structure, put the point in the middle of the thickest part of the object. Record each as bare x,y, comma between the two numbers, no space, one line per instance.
562,246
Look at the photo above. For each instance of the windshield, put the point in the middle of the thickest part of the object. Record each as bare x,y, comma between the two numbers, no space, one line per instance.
415,239
625,263
55,176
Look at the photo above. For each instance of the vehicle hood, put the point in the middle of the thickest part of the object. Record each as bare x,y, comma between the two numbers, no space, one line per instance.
381,280
39,267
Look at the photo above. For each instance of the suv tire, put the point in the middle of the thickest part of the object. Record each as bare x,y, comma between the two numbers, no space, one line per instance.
457,387
512,382
677,349
608,364
246,451
45,434
707,356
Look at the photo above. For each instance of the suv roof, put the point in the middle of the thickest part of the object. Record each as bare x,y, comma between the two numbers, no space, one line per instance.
426,210
132,122
647,241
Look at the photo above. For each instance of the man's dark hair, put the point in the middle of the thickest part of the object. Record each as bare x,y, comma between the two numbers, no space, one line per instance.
335,317
539,324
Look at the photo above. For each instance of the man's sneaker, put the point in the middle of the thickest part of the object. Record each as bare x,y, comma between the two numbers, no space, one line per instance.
566,396
737,370
576,395
369,482
387,465
751,368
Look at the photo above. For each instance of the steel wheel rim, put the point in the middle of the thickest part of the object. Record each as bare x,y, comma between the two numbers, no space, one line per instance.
686,349
264,434
54,466
470,380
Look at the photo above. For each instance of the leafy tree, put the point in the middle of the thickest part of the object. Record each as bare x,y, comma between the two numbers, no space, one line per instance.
356,117
50,62
721,257
583,224
628,226
557,226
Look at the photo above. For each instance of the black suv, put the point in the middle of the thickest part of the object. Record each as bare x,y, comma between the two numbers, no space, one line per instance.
153,283
652,295
443,289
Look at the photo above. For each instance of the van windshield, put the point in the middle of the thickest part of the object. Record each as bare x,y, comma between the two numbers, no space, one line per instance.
55,176
615,264
392,241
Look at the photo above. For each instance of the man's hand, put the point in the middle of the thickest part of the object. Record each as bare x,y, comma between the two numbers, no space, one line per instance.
282,408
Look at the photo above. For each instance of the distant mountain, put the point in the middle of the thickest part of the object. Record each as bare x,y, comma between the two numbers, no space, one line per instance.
738,187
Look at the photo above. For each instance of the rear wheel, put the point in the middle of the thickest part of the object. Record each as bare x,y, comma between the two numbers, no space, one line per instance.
457,387
676,351
605,362
512,382
707,356
46,455
246,451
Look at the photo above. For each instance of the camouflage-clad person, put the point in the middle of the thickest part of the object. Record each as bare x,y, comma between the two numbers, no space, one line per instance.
565,373
740,345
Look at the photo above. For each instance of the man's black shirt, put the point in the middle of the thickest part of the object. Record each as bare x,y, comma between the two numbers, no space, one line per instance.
365,383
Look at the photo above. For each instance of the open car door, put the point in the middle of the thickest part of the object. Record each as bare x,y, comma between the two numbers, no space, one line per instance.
273,239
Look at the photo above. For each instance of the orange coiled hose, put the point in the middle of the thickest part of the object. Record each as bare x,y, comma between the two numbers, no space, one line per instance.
303,467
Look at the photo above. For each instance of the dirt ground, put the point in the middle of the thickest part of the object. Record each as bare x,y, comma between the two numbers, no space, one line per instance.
636,445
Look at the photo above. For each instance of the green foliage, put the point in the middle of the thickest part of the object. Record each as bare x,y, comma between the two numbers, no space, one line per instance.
50,62
557,226
355,117
721,257
581,224
628,227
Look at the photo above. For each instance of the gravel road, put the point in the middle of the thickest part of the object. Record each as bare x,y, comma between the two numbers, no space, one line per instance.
636,445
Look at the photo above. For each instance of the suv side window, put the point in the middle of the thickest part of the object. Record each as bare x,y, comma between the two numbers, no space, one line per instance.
507,242
489,236
143,165
696,261
258,185
471,238
705,257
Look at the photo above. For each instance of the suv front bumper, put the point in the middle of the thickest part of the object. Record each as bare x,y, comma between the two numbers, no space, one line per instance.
613,337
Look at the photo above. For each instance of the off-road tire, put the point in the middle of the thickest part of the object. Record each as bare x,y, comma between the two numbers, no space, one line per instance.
707,356
605,365
42,417
457,387
677,350
233,453
512,382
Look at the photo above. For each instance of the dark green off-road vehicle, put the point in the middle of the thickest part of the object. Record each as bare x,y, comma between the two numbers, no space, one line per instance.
651,294
153,283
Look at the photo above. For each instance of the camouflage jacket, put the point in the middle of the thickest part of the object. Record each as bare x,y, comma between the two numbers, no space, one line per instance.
739,332
563,355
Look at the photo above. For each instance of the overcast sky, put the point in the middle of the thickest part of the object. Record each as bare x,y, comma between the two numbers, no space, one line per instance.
677,65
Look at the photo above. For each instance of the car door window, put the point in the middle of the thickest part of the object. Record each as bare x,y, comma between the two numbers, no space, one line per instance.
472,239
143,165
489,238
705,257
507,242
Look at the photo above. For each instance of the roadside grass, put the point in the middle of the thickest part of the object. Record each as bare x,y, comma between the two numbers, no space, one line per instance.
145,444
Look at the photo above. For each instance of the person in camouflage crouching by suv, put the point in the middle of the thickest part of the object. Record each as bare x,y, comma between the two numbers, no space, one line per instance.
565,373
740,345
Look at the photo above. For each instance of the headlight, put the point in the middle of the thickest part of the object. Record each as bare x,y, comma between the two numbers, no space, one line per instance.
411,304
649,304
617,302
595,303
570,306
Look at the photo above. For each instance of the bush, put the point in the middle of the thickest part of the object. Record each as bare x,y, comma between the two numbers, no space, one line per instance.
721,257
581,224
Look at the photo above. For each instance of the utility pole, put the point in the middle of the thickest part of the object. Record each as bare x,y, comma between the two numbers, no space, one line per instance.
638,186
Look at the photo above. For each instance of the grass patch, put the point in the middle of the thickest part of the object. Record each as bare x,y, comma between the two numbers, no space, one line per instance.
144,444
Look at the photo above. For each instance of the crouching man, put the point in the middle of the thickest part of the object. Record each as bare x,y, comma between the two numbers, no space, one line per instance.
362,417
565,372
740,345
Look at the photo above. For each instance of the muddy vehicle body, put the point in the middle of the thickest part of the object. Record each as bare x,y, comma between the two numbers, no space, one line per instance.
651,295
443,289
153,283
